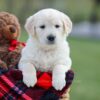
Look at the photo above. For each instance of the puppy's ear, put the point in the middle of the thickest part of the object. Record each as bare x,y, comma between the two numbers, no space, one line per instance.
67,24
29,25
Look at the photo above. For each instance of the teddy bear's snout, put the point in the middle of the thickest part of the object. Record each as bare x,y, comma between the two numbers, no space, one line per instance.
12,29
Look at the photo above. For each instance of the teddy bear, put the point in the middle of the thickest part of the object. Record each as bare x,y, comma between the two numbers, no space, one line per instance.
10,47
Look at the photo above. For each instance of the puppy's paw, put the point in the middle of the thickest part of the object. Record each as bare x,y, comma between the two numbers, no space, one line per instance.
58,82
29,79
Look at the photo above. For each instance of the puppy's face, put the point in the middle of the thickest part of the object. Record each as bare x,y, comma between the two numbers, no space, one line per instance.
49,26
49,31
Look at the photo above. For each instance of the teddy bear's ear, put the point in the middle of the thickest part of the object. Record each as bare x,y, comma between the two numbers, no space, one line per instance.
29,25
67,24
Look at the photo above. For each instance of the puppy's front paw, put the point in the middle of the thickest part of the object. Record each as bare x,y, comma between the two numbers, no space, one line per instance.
58,82
29,79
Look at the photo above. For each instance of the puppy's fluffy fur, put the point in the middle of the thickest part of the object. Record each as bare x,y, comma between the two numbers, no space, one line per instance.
41,53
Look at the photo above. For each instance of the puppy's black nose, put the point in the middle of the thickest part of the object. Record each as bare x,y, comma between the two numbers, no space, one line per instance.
51,38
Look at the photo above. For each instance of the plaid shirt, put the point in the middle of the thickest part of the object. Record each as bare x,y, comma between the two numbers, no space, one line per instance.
12,87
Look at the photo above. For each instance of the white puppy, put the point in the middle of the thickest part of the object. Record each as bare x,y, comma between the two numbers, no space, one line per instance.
47,48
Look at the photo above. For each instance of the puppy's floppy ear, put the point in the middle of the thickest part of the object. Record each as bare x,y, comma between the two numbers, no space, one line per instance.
67,24
29,25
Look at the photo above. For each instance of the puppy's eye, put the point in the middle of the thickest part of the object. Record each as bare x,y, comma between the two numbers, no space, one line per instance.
57,26
42,26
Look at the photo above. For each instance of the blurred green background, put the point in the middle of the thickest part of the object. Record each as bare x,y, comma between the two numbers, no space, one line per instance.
85,52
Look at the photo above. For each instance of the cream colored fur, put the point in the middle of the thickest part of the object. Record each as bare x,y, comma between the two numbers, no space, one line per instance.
38,54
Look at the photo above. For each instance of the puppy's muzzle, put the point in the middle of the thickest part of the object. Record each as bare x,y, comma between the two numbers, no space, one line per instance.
51,39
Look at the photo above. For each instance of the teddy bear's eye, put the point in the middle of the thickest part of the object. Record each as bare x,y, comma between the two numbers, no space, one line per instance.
42,26
57,26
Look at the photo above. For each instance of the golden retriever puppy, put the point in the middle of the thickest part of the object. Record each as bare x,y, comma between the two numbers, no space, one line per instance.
47,49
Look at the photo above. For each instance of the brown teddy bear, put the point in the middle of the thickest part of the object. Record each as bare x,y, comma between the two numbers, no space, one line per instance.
10,48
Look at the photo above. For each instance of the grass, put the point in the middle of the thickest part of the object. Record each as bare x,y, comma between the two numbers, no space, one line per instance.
85,54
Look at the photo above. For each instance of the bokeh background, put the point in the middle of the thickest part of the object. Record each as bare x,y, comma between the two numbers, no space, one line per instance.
84,39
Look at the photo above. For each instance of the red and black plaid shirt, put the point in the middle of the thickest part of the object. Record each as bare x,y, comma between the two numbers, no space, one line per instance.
12,87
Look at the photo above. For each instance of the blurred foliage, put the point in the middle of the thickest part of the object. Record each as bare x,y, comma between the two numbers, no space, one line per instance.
78,10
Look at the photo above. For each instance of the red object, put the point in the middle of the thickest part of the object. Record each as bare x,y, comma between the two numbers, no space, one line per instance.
45,81
12,86
14,44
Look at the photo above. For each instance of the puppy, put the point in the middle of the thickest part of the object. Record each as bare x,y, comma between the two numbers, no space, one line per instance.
47,49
